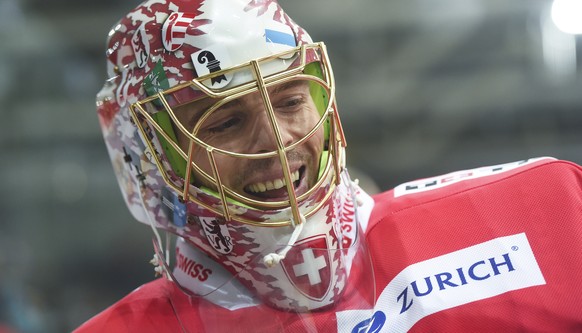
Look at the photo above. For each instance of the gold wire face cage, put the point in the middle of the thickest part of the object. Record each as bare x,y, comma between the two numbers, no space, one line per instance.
144,112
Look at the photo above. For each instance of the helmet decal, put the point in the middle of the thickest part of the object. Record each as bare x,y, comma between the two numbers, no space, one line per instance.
141,46
210,60
217,235
278,37
309,267
174,30
174,208
156,80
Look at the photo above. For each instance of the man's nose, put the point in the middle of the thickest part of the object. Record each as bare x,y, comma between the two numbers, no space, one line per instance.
264,132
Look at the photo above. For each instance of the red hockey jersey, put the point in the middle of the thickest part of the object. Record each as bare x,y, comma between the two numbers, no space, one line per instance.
494,249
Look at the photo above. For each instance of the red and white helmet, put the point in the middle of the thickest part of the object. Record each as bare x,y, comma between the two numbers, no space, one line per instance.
220,120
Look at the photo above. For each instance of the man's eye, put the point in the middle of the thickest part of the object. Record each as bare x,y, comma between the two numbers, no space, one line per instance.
290,104
224,125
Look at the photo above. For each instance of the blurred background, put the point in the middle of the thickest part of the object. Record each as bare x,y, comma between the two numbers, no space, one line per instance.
424,87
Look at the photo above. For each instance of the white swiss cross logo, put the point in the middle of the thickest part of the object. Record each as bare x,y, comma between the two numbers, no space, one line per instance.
308,267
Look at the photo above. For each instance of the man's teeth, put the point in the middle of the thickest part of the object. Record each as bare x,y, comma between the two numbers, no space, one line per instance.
272,185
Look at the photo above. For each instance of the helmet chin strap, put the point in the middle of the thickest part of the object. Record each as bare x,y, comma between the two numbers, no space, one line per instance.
274,258
161,259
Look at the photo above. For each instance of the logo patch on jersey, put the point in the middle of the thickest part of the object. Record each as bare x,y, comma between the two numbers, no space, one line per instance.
371,325
475,273
307,265
174,30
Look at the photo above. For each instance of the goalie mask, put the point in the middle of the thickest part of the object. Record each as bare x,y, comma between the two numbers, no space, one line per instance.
220,121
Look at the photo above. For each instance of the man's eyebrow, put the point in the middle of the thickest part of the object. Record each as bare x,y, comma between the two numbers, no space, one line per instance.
288,85
231,104
192,113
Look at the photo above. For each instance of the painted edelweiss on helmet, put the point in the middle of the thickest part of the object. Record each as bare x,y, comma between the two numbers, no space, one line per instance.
165,56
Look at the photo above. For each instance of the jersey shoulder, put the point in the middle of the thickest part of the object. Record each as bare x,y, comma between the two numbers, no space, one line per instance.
426,234
145,309
544,171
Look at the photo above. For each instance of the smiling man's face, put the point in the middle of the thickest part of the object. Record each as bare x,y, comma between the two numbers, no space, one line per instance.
243,126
